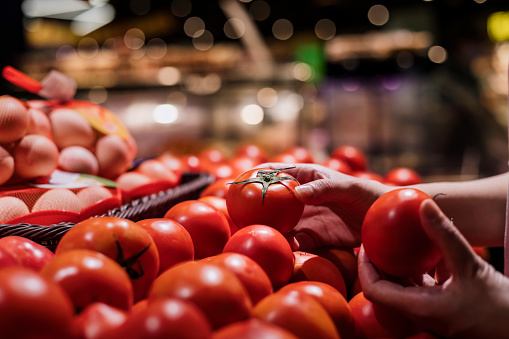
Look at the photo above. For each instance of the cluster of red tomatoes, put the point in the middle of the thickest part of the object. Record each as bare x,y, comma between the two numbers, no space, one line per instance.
216,267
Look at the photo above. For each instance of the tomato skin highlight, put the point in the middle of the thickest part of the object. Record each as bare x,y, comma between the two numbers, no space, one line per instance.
278,208
393,237
208,226
268,247
33,306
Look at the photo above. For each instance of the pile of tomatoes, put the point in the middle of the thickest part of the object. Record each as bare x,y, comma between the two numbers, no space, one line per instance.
216,267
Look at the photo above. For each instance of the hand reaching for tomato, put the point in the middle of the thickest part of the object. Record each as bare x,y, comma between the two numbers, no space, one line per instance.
472,303
335,206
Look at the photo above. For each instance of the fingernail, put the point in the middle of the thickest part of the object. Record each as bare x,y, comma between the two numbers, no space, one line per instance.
428,210
304,191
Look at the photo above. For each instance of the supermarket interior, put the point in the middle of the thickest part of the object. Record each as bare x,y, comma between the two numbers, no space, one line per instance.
133,199
420,84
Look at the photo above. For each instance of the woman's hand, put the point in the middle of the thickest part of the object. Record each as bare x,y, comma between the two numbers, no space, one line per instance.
335,206
472,303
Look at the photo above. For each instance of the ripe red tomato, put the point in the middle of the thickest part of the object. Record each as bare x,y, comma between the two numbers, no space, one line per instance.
242,163
26,252
32,306
215,290
345,260
220,170
218,188
164,318
88,276
268,247
250,274
253,151
171,161
7,259
96,319
191,163
393,237
337,165
285,158
402,176
301,154
253,329
375,321
207,226
173,242
332,300
212,155
352,155
311,267
264,196
122,240
298,313
220,204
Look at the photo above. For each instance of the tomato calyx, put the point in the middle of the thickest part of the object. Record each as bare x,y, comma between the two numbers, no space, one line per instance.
266,178
128,263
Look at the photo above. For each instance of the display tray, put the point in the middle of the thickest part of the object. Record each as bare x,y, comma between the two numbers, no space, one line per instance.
150,206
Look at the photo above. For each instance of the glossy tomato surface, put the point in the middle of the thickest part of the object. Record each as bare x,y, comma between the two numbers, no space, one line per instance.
32,306
268,248
393,237
253,329
248,204
165,318
352,155
97,319
337,165
26,252
249,272
332,300
122,240
220,204
402,176
298,313
375,321
207,226
216,291
218,188
89,276
312,267
173,242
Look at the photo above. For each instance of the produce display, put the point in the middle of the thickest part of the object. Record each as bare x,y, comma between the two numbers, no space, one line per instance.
218,266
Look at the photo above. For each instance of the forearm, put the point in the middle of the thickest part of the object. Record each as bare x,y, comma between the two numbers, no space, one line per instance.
477,207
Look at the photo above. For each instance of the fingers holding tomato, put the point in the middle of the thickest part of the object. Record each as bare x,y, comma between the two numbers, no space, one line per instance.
264,196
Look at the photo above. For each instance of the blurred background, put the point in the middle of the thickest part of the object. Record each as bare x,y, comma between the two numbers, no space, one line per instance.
416,83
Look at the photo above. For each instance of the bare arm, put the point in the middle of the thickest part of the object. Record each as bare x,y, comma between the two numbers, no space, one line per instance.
477,207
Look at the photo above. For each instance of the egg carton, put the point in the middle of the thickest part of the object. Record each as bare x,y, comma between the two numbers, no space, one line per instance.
154,205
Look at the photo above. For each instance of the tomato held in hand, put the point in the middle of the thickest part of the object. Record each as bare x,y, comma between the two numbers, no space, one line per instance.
32,306
264,196
266,246
393,237
207,226
123,241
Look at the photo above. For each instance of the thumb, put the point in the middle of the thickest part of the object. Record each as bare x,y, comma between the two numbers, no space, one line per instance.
316,192
456,251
